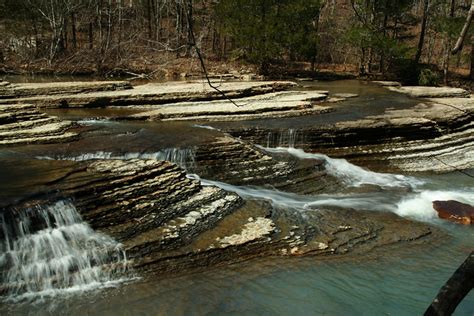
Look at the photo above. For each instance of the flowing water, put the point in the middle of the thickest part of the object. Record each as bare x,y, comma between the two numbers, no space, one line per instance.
48,251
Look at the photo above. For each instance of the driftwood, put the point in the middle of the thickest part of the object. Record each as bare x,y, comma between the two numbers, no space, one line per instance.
455,289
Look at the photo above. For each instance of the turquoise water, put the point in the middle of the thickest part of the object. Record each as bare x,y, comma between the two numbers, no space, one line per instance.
386,283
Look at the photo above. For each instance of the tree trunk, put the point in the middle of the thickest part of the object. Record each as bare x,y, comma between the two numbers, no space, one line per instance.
448,45
73,30
471,73
91,36
465,28
421,41
455,289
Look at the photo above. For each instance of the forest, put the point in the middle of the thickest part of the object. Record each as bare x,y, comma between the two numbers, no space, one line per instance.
408,39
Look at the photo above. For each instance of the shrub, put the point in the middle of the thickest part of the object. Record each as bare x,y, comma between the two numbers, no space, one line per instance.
428,77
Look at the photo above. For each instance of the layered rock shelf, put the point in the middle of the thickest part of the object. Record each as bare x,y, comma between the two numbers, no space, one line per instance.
21,90
269,105
152,94
235,162
398,136
24,124
168,222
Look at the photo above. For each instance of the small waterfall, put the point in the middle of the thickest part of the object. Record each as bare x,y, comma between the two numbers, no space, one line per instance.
183,157
48,250
285,138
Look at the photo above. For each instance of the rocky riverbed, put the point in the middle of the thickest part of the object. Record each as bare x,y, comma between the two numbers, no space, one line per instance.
230,194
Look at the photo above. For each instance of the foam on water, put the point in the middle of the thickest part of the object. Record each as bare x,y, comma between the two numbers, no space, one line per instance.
351,174
420,205
48,250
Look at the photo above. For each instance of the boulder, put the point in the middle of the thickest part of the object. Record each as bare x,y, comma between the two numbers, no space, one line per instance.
455,211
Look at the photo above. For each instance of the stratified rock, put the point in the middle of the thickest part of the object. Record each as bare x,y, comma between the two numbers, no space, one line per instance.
24,124
431,92
235,162
156,93
17,90
170,223
279,104
395,140
455,211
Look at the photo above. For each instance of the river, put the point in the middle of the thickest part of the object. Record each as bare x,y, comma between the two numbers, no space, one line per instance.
384,282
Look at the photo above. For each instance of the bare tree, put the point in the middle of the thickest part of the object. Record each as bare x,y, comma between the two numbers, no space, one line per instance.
465,28
55,12
419,51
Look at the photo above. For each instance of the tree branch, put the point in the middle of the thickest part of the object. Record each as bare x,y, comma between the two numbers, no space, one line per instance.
465,28
198,52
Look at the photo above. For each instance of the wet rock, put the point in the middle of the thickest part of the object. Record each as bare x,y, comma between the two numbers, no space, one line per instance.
236,162
395,140
431,92
455,211
24,124
170,223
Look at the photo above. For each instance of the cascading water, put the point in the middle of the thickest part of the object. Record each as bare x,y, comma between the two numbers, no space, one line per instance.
351,174
286,138
183,157
48,250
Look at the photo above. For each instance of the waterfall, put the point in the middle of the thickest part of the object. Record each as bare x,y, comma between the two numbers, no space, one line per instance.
183,157
47,250
285,138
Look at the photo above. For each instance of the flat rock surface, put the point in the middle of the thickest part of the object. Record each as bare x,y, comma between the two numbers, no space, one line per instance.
15,90
278,103
158,93
431,92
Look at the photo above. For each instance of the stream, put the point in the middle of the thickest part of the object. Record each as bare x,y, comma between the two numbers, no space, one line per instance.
378,283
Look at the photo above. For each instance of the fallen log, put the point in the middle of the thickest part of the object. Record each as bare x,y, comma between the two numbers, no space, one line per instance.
455,289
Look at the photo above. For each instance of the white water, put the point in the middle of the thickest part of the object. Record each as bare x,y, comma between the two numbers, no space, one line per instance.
374,201
420,205
416,204
206,127
65,255
183,157
350,174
